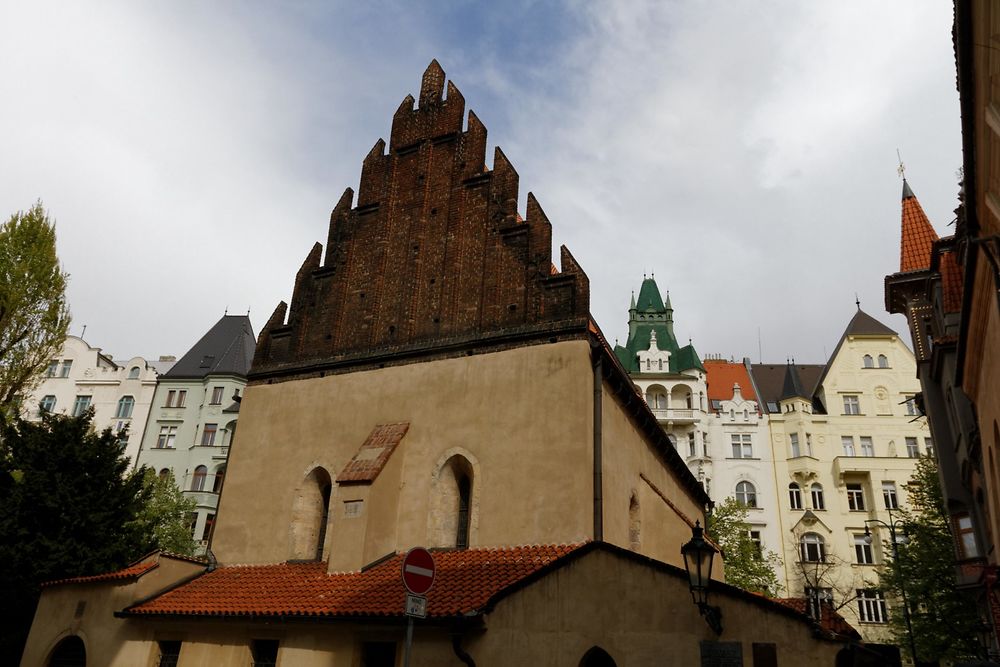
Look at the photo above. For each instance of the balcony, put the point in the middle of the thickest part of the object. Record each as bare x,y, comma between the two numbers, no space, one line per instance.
203,498
677,415
866,465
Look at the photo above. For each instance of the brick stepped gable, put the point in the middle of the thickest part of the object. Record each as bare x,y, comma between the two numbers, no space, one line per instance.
433,257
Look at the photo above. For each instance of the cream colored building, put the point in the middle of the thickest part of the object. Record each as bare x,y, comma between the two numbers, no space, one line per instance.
845,439
82,377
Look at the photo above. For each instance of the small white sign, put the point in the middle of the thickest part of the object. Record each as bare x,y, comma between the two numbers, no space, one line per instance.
416,605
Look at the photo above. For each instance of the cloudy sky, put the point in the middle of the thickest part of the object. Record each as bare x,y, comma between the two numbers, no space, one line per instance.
744,153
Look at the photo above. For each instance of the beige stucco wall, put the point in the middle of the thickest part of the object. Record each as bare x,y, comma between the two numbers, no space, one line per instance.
523,417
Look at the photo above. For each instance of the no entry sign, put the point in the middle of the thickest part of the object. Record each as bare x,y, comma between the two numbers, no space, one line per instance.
418,570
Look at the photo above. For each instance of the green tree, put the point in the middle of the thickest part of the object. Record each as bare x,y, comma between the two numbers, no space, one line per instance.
34,316
943,618
166,514
69,506
746,565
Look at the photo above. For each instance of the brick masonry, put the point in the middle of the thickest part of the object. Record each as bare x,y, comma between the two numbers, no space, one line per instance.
433,253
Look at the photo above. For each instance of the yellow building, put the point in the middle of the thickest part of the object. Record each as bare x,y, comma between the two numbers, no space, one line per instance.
435,381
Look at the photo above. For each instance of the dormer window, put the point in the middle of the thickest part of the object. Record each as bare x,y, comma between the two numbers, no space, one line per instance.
868,361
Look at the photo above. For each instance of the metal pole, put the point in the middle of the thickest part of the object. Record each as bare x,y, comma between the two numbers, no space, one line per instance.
409,642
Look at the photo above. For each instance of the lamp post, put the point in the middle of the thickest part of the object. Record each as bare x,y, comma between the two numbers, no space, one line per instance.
902,586
698,556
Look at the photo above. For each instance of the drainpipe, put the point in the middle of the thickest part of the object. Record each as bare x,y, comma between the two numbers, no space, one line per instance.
460,653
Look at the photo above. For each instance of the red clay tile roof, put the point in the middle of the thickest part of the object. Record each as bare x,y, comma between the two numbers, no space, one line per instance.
133,571
917,236
466,582
951,283
721,377
830,620
374,453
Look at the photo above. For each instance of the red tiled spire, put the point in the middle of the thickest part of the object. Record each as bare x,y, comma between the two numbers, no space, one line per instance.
918,235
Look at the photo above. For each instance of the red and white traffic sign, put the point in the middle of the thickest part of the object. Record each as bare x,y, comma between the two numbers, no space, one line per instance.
418,570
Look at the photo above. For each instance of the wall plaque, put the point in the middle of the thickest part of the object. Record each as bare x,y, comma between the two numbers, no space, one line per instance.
721,654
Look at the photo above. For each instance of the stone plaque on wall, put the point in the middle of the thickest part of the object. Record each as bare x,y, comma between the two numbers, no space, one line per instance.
721,654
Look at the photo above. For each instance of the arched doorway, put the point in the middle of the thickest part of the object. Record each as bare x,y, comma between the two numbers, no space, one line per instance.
69,653
597,657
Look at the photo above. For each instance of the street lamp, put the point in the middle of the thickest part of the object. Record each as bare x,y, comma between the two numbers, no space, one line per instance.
899,574
698,556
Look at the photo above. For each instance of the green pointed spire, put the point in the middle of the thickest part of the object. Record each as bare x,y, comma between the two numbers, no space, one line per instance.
650,314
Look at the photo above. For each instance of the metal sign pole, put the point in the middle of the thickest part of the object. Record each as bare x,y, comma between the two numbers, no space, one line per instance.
409,641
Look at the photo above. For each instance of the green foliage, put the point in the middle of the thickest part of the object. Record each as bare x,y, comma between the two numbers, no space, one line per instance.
166,514
943,618
745,565
69,506
34,316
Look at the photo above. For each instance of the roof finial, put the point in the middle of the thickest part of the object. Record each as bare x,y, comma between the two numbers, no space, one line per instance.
84,332
901,169
857,301
226,311
248,311
643,275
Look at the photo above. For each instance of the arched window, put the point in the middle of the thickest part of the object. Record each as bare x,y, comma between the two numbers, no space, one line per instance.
817,497
634,524
597,657
69,653
125,405
794,496
868,361
133,373
198,479
310,515
220,475
883,361
746,494
812,548
656,397
453,503
165,474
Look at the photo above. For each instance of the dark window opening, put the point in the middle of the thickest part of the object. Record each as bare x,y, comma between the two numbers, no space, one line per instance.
325,517
70,653
378,654
464,497
264,652
170,653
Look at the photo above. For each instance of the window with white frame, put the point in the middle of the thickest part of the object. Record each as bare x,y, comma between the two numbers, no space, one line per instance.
793,439
929,446
80,405
198,479
165,440
855,497
863,551
208,434
66,365
692,449
890,496
125,406
852,404
47,404
816,493
966,536
758,545
742,446
847,441
794,496
176,398
53,369
815,597
812,548
912,448
809,444
746,494
867,448
133,373
911,406
216,396
871,606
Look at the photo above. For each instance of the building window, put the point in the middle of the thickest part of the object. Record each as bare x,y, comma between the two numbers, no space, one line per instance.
692,449
170,653
855,497
867,449
176,398
125,405
883,361
198,479
166,438
889,495
758,545
911,406
812,548
133,373
868,361
793,439
378,654
848,443
746,494
815,598
912,448
863,551
206,534
66,365
53,369
217,396
929,446
871,606
464,505
80,405
966,536
208,435
704,444
818,502
310,515
634,524
809,444
742,446
165,474
265,652
48,404
794,496
852,404
220,476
